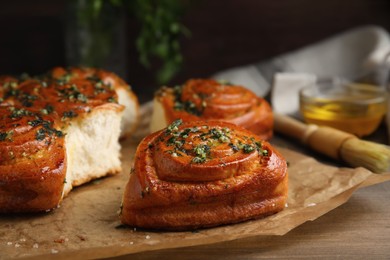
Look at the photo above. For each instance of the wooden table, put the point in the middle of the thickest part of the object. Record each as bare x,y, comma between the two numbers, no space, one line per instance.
359,229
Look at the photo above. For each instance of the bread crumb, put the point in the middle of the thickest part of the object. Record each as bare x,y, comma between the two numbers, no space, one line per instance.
59,240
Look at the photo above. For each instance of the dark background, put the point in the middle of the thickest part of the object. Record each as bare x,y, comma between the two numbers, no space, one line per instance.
224,33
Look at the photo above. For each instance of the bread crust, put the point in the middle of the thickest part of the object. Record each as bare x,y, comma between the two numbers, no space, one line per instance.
35,114
131,110
208,99
240,177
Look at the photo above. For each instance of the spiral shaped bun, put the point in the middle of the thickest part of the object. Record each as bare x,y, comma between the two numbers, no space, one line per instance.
208,99
203,174
29,177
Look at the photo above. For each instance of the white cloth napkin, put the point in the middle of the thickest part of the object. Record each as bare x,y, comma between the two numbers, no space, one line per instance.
285,91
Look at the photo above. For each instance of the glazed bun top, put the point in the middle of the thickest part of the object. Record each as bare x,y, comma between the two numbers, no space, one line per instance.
208,99
35,111
200,151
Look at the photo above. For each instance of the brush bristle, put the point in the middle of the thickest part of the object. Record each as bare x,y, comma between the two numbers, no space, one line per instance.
373,156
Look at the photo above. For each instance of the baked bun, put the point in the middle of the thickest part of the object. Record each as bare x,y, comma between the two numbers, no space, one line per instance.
208,99
55,133
202,174
126,96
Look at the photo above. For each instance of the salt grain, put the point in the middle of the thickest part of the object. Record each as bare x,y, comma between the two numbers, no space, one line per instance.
17,245
147,237
35,245
54,251
22,240
131,243
9,243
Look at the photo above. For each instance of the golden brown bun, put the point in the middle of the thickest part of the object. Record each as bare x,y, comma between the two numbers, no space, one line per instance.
32,172
56,132
203,174
125,95
208,99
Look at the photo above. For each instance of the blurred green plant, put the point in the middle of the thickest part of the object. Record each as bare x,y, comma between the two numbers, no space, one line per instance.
159,34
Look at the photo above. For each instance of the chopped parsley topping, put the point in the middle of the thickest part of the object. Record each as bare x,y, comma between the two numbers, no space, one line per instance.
209,137
3,136
24,98
112,100
69,114
10,84
64,78
46,129
247,148
174,126
48,109
19,112
99,87
11,93
27,100
187,105
201,151
44,84
220,134
72,93
40,135
36,122
6,136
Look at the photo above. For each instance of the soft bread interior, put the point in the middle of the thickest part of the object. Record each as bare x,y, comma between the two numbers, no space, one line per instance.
159,120
130,114
92,146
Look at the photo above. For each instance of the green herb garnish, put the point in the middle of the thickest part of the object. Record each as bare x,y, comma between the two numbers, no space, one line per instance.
112,100
46,129
40,134
6,136
247,148
48,109
69,114
201,151
173,126
19,112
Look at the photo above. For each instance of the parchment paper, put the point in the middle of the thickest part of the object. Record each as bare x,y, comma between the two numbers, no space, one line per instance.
86,225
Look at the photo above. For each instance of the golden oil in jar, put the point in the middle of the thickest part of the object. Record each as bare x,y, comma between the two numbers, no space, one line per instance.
354,108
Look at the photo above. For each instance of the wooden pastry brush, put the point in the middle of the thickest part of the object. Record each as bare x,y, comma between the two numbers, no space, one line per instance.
336,144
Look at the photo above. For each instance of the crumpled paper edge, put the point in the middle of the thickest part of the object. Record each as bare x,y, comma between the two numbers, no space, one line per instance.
292,218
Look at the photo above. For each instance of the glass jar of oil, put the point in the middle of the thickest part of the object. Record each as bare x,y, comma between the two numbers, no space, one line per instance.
351,107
